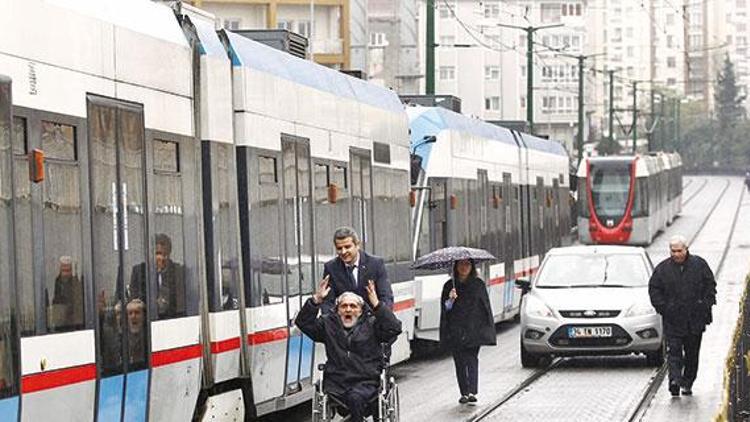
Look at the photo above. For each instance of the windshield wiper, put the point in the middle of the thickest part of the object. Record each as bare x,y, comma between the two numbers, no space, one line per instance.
552,287
598,285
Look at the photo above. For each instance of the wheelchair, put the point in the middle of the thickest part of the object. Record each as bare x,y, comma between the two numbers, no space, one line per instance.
383,408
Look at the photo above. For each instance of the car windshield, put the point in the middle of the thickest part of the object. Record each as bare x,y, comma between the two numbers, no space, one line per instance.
593,270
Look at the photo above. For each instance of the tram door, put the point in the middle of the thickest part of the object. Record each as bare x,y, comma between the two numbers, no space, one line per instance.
510,245
119,256
361,188
300,278
8,334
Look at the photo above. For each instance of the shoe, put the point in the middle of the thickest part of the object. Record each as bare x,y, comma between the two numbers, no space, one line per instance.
674,389
472,398
687,390
463,399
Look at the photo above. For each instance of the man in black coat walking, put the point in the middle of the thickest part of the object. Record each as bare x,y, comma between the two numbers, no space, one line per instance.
682,290
352,270
352,336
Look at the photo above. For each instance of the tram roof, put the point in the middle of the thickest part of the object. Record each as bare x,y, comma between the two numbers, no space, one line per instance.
260,57
431,120
141,16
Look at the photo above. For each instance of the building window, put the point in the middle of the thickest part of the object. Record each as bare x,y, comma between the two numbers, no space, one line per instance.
551,12
670,19
671,62
283,24
671,81
492,72
492,103
377,39
447,73
492,10
232,24
670,41
303,28
445,11
575,41
447,40
523,101
631,52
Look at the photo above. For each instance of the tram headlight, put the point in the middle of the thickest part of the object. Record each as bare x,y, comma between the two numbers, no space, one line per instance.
640,309
537,308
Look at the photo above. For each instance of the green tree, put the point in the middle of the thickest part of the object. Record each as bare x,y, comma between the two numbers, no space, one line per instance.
728,108
605,147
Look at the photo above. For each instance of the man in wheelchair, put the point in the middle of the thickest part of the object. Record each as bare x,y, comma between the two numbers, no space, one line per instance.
352,338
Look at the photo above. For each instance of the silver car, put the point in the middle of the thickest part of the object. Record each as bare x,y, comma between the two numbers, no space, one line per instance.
590,300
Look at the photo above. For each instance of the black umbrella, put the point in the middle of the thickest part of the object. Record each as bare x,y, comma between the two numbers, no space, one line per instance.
445,257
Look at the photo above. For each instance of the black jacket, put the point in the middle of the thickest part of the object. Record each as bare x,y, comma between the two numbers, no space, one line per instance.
683,294
370,268
469,322
354,356
170,299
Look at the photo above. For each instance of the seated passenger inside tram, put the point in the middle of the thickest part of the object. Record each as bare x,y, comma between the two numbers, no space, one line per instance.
170,281
66,311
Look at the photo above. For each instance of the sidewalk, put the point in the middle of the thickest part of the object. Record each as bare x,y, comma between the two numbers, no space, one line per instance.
708,388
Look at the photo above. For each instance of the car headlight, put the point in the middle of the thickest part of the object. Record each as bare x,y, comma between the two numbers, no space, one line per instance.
535,307
641,309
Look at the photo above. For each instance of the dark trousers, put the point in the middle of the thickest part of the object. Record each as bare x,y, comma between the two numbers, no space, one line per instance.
682,356
467,369
357,399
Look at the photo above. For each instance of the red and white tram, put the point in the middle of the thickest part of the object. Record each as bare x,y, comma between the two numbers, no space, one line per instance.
628,199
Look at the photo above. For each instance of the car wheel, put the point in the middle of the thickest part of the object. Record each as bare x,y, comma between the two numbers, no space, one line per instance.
528,359
656,358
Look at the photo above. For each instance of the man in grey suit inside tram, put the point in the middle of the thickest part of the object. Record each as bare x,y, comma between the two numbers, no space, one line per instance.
352,269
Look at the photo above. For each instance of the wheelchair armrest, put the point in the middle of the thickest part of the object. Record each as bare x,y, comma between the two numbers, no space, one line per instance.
321,367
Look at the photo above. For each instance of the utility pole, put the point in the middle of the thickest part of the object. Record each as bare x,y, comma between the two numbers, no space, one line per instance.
678,139
662,126
652,123
611,105
634,129
529,66
579,140
430,48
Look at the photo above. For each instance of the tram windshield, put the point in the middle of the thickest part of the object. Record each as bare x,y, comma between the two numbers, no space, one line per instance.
610,187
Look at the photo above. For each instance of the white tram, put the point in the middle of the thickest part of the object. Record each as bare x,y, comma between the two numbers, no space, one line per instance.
138,148
483,186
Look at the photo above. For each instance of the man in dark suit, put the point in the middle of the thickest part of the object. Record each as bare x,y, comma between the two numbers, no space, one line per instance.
170,281
683,290
352,269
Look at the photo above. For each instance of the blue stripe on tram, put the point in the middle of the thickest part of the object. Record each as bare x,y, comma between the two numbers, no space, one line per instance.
292,360
307,355
9,409
110,398
136,396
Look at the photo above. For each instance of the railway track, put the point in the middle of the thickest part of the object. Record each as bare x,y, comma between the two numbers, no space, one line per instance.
695,193
657,376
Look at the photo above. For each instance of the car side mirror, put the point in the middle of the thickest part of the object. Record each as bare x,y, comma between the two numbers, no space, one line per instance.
524,284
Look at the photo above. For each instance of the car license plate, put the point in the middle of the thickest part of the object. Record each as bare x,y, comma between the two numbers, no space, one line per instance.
589,332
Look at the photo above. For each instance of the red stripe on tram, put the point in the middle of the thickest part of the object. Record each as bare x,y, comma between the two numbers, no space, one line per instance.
497,280
403,305
225,345
57,378
178,354
268,336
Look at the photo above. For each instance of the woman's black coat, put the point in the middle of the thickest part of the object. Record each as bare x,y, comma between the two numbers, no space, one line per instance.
469,323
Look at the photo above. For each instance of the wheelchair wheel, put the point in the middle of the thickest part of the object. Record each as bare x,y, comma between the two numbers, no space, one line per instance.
395,405
320,408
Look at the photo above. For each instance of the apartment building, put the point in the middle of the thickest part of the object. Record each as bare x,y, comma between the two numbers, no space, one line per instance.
326,23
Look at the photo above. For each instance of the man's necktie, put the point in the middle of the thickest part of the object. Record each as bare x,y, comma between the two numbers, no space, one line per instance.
350,272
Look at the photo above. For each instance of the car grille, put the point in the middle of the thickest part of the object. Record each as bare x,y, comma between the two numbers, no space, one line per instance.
590,314
619,337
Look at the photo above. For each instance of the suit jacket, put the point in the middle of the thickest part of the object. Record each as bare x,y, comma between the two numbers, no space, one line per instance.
170,298
370,268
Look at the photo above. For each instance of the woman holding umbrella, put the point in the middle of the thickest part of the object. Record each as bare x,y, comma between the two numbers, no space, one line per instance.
466,323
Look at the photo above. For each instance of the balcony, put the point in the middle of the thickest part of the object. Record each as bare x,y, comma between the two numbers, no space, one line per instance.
328,46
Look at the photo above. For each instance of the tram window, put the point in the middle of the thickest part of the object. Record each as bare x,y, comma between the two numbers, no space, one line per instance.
383,215
322,178
8,384
22,215
20,140
58,140
267,173
63,278
169,247
338,177
400,195
225,227
166,156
